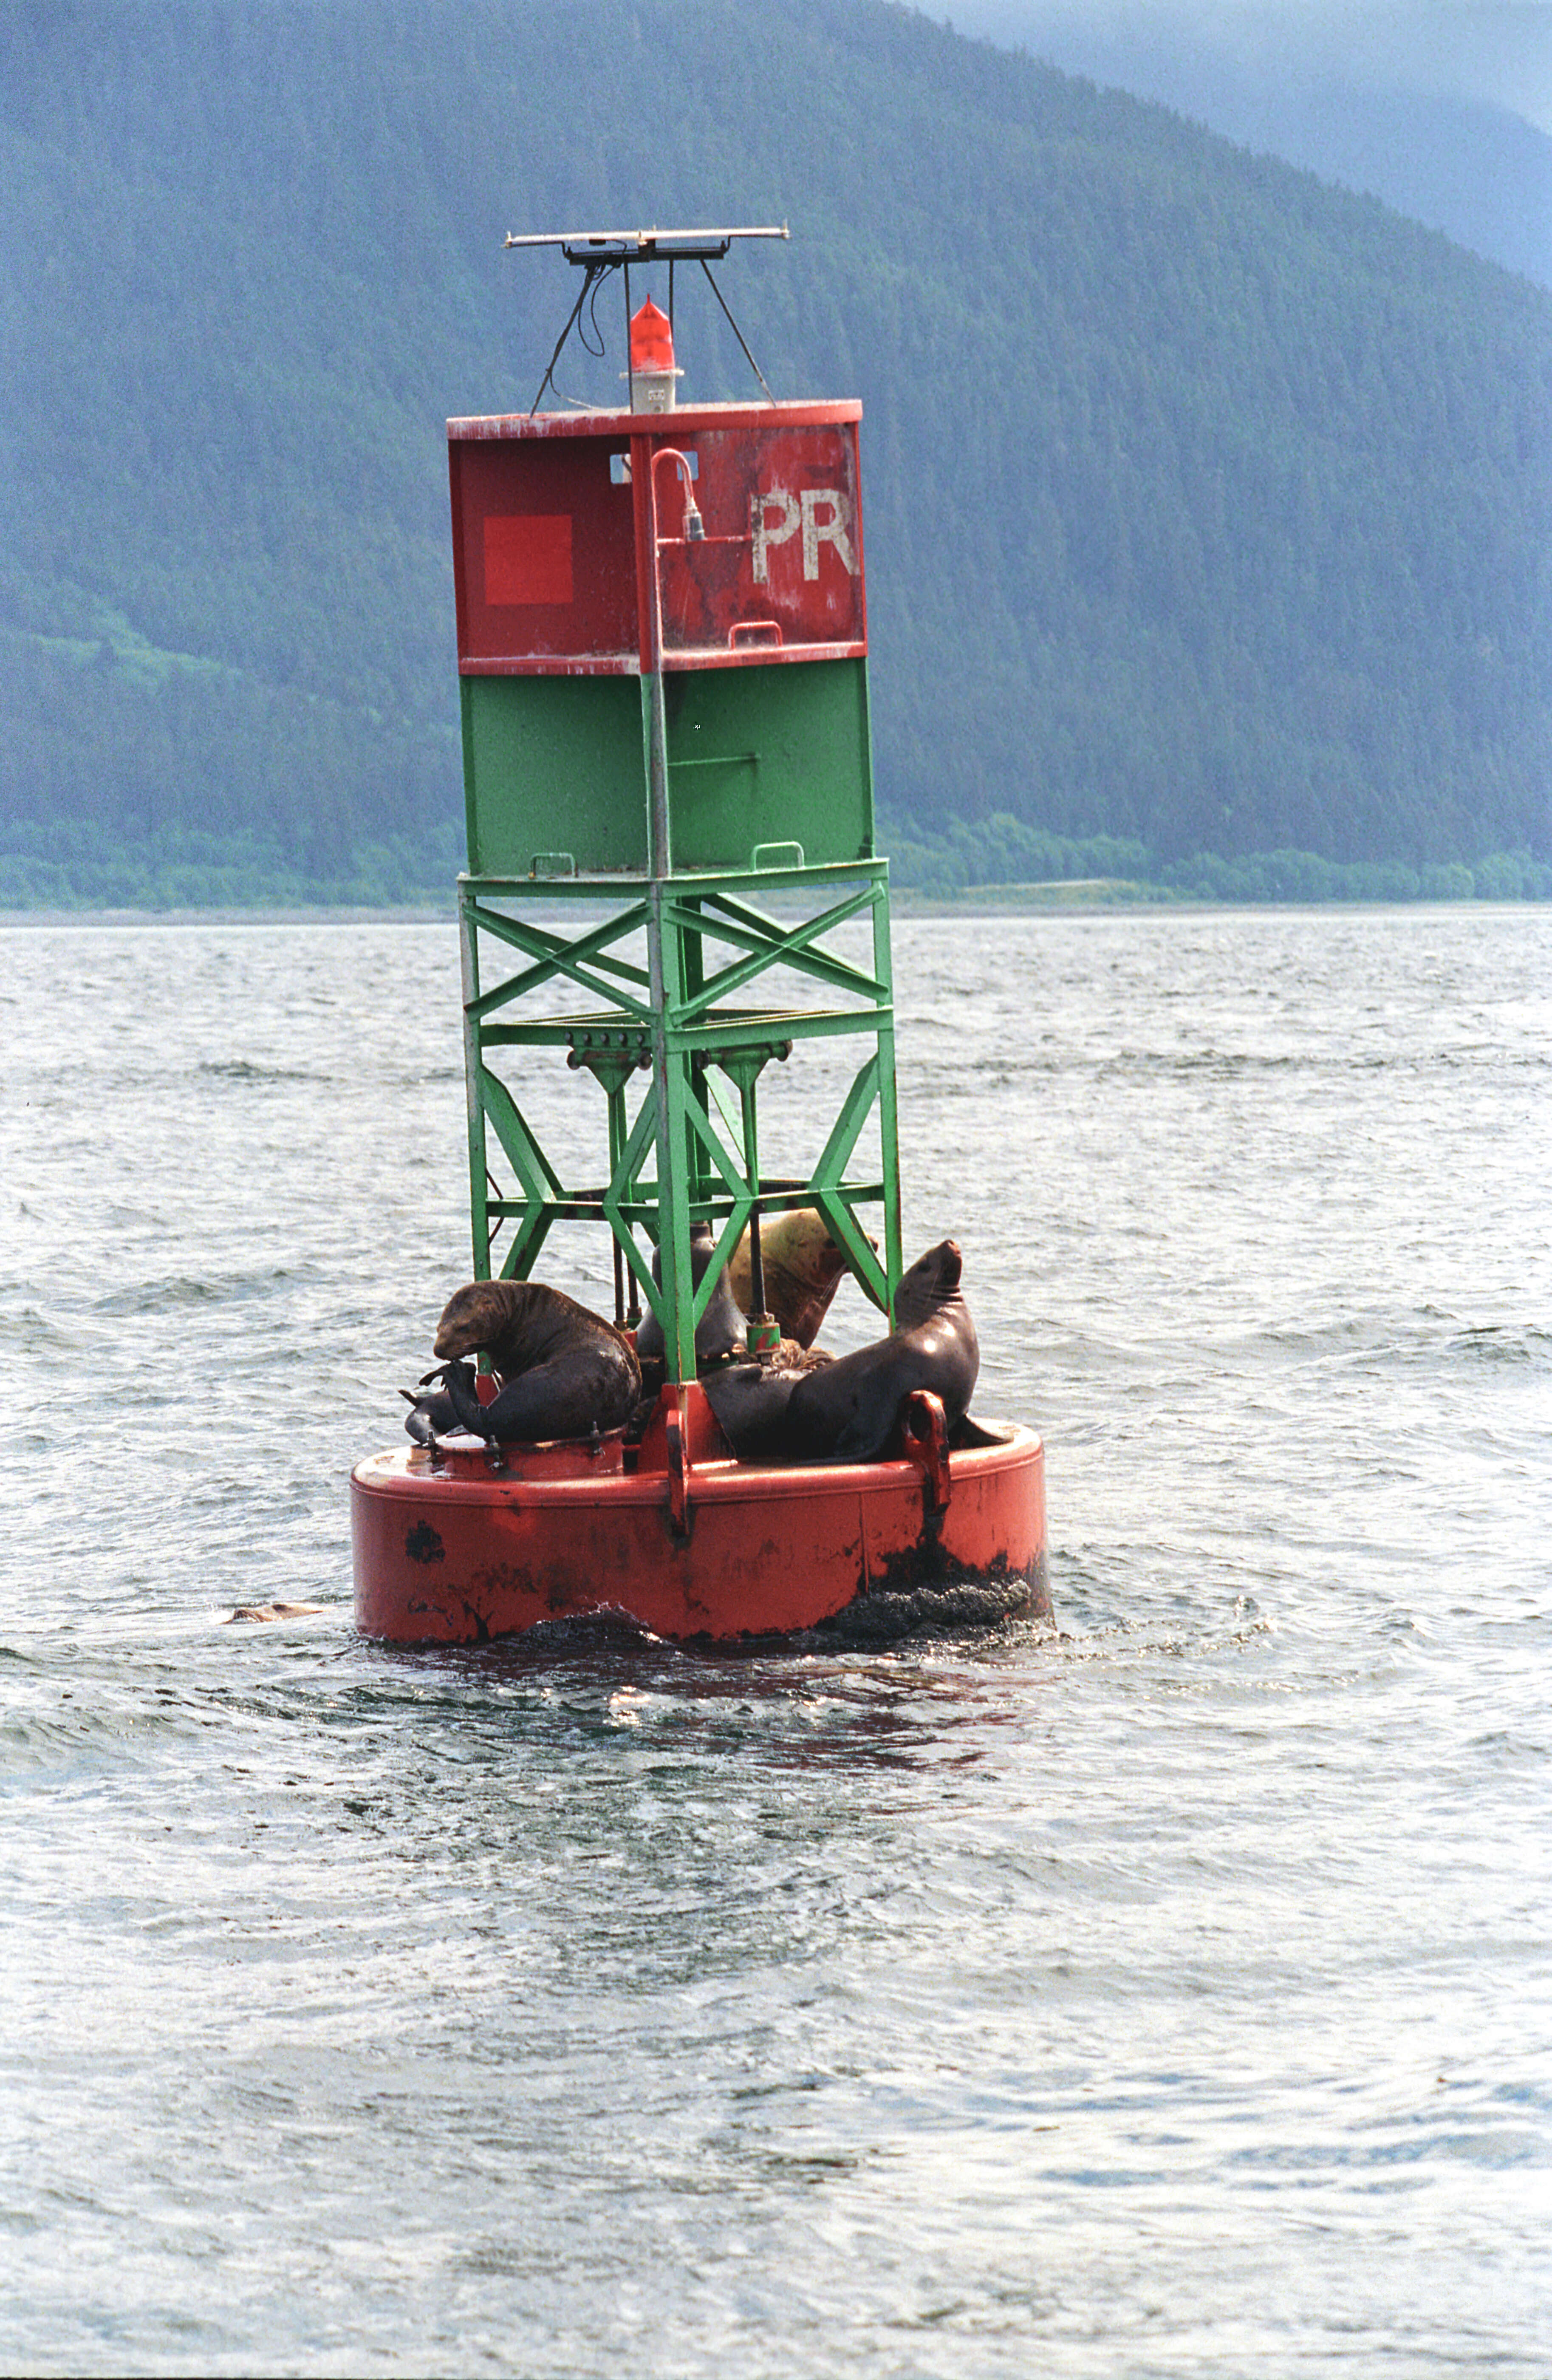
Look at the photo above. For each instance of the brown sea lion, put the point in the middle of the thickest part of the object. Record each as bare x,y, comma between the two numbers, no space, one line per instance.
720,1331
564,1371
750,1402
851,1408
271,1612
803,1265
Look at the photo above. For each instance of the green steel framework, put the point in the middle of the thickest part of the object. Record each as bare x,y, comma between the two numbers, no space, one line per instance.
672,1017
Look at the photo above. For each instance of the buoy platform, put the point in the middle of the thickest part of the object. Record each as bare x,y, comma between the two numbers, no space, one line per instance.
687,1543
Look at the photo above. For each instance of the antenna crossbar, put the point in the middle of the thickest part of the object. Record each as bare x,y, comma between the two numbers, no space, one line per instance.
645,247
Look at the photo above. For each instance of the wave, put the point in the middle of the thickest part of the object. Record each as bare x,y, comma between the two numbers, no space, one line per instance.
243,1069
190,1289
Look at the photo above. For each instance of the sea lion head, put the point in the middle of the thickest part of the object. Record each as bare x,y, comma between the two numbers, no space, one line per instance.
803,1265
719,1332
803,1246
931,1283
480,1315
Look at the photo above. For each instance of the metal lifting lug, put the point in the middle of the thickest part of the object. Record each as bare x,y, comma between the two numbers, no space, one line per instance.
925,1429
678,1474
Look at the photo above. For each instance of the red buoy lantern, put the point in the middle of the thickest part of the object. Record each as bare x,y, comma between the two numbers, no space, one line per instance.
653,369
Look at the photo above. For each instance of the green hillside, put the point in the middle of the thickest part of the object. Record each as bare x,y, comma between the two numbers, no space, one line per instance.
1209,510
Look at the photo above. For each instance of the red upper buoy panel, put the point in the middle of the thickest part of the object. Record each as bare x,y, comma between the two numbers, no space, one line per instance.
552,533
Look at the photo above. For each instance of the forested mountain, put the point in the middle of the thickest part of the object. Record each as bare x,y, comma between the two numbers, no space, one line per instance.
1442,110
1207,508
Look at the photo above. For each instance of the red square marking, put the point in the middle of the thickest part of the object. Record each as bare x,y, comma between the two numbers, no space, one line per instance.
527,558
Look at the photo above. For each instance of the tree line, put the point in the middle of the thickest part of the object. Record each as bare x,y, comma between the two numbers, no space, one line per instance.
1207,507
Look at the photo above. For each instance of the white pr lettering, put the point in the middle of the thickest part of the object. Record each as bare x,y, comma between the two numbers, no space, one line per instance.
818,532
764,538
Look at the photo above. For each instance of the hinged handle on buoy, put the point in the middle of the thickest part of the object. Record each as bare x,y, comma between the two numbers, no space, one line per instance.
925,1429
676,1433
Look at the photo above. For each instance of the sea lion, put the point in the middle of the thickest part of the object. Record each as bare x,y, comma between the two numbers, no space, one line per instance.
564,1371
750,1402
750,1399
803,1265
271,1612
850,1409
720,1329
431,1414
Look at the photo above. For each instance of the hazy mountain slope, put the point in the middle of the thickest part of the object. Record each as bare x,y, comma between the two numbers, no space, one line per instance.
1432,109
1204,504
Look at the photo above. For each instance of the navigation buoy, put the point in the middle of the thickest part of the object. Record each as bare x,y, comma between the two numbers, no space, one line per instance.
663,648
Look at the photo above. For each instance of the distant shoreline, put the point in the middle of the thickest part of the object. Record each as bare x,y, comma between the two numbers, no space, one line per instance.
1094,899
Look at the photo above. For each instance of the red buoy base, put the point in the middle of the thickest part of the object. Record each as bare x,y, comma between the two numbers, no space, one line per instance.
681,1539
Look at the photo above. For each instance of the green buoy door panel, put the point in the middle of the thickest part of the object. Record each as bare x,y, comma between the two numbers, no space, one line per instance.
757,756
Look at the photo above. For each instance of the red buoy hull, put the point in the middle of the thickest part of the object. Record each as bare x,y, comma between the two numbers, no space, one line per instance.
449,1551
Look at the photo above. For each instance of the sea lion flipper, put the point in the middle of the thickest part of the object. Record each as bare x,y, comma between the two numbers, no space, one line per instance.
457,1379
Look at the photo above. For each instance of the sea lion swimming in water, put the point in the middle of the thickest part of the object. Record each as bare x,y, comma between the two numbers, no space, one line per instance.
803,1267
564,1371
271,1612
720,1329
850,1409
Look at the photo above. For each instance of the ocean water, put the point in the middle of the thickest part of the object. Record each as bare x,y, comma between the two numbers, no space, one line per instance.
1165,1994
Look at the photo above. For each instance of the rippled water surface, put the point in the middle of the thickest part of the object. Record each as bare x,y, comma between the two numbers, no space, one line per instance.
1168,1994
